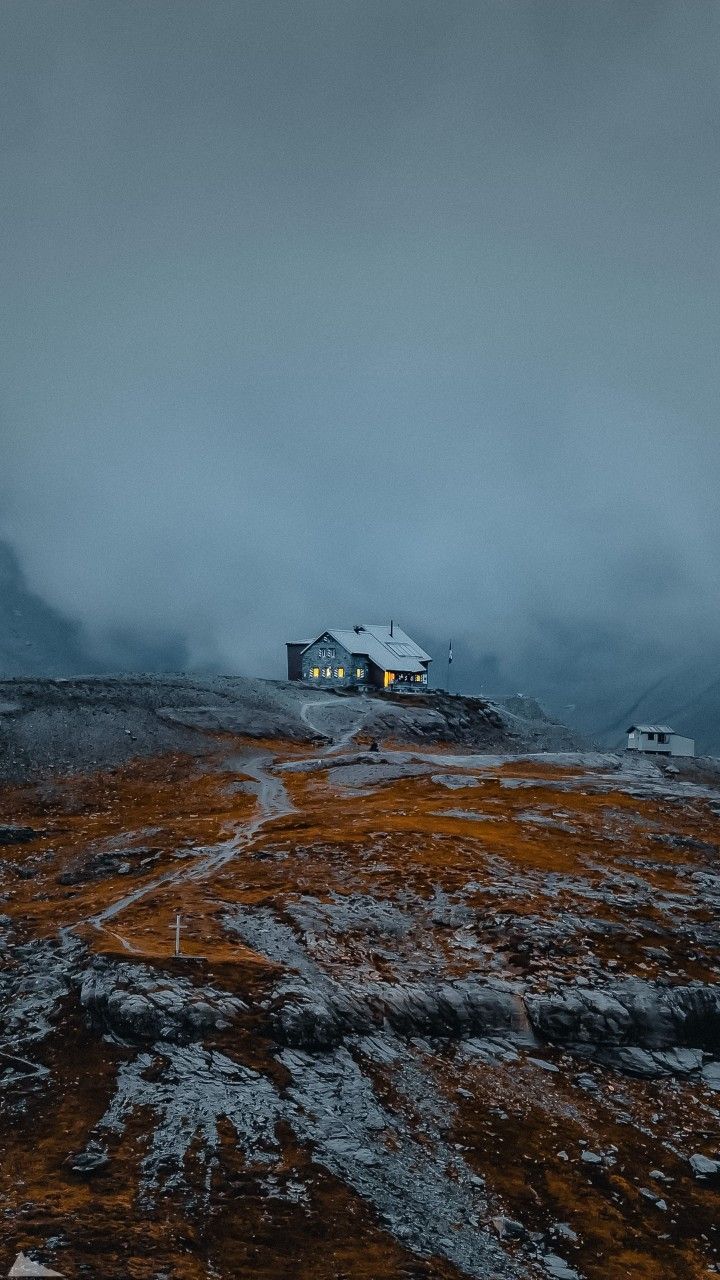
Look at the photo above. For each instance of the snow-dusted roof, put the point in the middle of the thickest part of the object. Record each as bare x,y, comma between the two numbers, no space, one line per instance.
396,652
650,728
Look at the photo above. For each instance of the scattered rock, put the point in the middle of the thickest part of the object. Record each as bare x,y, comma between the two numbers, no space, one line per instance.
12,834
454,781
587,1082
565,1231
703,1167
90,1161
591,1157
711,1075
26,872
558,1268
509,1228
687,842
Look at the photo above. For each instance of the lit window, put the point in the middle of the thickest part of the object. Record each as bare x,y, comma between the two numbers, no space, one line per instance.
359,672
315,673
340,672
327,672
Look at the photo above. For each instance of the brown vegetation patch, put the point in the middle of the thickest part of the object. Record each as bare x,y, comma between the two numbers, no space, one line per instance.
568,878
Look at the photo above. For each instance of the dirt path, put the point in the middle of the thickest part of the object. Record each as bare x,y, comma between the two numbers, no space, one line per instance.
362,711
273,802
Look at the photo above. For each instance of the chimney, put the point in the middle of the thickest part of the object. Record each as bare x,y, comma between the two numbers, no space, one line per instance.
391,626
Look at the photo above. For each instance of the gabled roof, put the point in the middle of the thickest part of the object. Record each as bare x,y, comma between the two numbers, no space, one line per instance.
396,652
650,728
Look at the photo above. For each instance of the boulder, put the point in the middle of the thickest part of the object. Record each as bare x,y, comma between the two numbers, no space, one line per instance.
591,1158
558,1268
711,1074
704,1167
90,1161
12,834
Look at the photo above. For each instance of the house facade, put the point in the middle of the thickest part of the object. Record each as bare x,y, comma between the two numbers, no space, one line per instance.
659,740
372,655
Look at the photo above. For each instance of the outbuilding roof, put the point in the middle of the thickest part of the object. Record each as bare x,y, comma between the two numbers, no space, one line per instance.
390,651
650,728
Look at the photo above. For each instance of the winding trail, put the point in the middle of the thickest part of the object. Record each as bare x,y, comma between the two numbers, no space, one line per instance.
305,708
273,802
364,710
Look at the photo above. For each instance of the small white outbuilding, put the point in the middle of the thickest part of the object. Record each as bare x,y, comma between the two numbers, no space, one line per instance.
659,740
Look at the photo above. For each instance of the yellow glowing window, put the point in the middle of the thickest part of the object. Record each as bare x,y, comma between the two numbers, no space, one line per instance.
341,672
315,673
359,672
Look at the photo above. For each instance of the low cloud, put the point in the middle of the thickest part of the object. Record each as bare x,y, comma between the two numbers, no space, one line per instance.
347,312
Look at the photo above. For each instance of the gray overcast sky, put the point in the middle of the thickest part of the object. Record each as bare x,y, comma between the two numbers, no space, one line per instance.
317,311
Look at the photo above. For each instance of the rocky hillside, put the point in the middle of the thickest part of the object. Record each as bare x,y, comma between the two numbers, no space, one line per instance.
62,725
437,1013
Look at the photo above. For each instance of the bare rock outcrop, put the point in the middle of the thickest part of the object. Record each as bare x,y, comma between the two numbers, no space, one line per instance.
137,1004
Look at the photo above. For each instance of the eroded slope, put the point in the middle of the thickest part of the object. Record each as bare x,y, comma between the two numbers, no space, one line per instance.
437,1015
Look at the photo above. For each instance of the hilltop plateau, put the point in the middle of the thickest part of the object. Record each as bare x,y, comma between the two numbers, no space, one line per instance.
60,725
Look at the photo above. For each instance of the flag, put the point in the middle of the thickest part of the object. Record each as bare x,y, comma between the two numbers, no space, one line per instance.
450,654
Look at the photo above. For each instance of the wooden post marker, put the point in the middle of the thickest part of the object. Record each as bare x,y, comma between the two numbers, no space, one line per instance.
176,927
